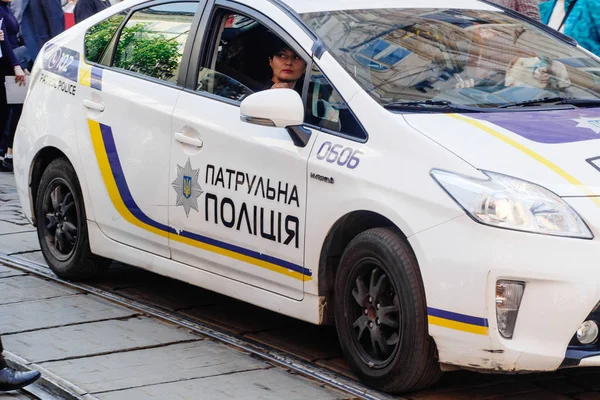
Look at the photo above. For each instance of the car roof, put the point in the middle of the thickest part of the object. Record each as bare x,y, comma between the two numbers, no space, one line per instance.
306,6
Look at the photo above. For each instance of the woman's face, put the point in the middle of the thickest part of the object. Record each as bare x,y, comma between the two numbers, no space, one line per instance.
287,66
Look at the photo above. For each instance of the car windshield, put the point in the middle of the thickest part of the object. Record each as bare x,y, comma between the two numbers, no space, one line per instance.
471,58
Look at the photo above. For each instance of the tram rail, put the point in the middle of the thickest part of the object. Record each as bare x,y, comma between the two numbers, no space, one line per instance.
48,387
281,358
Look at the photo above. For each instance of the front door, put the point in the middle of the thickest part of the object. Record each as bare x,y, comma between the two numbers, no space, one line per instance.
238,197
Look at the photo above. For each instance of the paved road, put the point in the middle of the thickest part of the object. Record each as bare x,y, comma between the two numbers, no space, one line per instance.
95,344
110,352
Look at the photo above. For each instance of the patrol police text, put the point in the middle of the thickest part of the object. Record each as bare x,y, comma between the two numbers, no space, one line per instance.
253,219
57,83
256,183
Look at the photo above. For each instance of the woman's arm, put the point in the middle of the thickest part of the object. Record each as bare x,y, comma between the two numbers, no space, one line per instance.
7,51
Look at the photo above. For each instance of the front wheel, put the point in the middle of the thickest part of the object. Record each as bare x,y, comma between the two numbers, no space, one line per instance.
381,314
62,224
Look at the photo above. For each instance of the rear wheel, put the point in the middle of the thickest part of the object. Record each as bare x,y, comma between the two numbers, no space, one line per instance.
380,314
62,224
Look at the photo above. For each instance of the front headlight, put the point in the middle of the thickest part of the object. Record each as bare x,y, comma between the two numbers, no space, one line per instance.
512,203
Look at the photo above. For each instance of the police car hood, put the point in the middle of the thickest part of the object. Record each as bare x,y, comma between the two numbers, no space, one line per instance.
557,149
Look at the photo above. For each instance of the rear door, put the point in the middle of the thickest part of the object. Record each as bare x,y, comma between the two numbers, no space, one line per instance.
128,90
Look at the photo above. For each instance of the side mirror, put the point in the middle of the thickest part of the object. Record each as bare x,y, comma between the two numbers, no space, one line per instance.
281,108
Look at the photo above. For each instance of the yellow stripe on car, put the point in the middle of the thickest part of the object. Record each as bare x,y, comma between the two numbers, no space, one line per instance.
542,160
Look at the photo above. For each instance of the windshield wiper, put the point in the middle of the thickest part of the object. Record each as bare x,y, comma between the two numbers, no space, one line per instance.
433,105
558,100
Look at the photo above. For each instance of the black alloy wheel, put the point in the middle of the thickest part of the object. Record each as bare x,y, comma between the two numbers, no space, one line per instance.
381,313
61,222
375,315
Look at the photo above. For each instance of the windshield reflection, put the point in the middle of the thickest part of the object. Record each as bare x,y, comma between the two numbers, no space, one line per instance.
467,57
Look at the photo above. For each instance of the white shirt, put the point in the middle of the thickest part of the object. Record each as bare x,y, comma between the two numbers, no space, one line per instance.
558,14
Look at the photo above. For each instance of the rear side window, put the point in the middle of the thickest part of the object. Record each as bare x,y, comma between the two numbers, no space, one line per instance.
153,40
98,37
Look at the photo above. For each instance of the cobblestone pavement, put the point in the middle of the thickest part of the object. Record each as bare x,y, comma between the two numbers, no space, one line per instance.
116,354
108,352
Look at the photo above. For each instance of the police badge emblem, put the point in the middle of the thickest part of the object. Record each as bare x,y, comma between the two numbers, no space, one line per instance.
187,187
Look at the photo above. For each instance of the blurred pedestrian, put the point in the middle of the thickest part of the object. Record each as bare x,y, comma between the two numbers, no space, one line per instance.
17,9
42,20
525,7
579,19
11,379
86,8
69,8
10,65
22,53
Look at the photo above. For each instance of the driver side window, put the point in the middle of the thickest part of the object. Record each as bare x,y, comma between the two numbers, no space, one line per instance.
213,82
240,61
247,57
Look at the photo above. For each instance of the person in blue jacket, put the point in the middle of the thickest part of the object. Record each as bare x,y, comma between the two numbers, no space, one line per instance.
86,8
579,19
41,21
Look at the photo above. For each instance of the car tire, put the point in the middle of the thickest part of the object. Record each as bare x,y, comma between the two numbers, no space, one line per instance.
62,224
381,314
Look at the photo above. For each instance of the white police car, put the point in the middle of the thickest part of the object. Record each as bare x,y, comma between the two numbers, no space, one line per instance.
431,186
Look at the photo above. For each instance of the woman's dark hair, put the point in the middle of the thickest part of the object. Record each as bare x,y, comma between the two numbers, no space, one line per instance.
276,46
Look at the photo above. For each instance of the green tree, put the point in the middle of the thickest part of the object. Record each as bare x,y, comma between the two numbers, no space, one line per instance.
98,37
139,49
147,52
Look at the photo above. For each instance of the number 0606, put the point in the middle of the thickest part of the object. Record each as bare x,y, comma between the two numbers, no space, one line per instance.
336,153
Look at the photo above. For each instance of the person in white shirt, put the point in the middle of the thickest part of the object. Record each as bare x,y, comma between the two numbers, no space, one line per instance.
557,16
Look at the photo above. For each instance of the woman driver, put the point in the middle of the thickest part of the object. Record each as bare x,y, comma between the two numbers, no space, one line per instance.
287,68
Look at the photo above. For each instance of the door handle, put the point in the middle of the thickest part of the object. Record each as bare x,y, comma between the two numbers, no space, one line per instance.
92,105
180,137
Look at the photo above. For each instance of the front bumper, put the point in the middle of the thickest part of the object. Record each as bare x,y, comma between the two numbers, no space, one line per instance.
461,261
